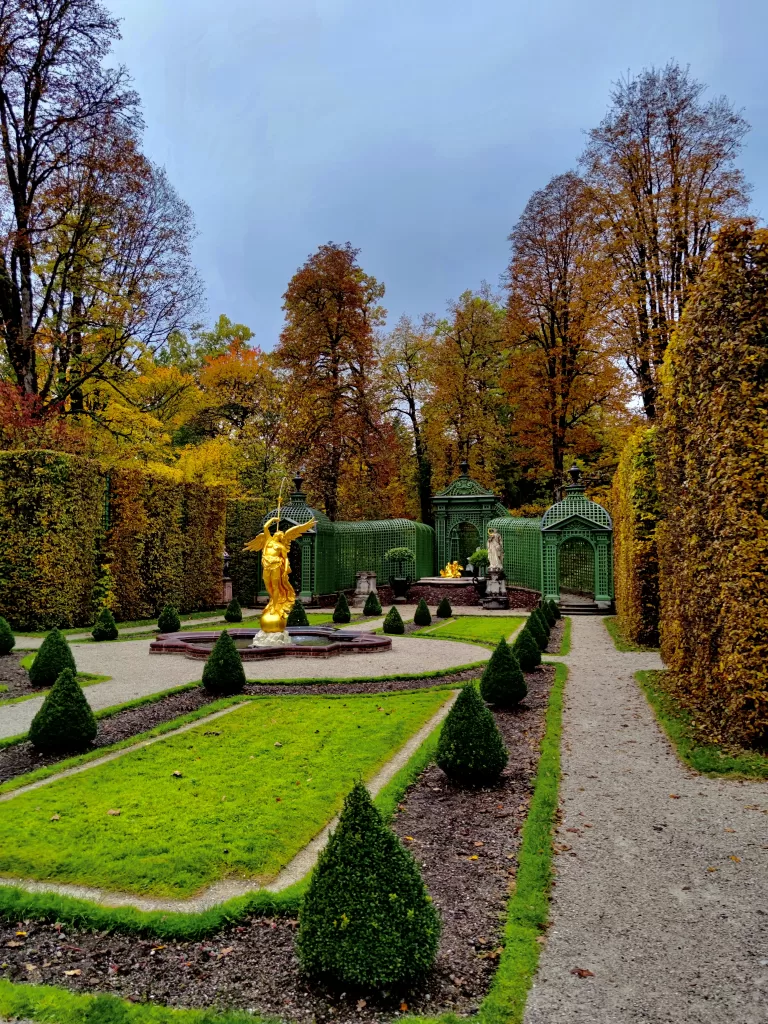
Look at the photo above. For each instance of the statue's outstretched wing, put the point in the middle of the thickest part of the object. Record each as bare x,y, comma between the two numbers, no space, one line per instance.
296,531
256,544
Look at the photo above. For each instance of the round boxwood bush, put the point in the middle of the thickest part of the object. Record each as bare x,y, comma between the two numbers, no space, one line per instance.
105,628
393,622
372,604
526,650
51,660
444,610
65,722
367,919
297,615
549,615
341,612
7,639
422,616
234,612
471,750
537,631
169,621
502,682
223,672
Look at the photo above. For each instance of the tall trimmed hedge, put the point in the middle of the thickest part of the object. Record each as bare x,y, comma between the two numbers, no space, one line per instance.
51,508
62,516
244,522
636,509
713,474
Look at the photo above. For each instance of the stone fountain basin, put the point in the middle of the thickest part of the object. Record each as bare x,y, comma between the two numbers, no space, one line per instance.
307,642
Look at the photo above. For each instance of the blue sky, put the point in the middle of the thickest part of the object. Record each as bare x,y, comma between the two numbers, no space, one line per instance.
415,129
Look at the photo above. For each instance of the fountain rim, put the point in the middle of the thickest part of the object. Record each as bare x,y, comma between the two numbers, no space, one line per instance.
198,645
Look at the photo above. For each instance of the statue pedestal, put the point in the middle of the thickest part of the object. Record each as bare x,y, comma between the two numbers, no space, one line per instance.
495,590
365,585
263,639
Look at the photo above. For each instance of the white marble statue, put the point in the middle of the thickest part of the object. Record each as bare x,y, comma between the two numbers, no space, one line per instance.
495,550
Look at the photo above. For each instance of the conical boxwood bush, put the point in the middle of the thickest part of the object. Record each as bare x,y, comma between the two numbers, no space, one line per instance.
549,615
393,623
444,610
169,621
555,608
471,750
234,612
543,621
105,628
537,631
341,612
297,615
502,682
526,650
223,672
372,604
65,722
50,661
367,919
7,639
422,616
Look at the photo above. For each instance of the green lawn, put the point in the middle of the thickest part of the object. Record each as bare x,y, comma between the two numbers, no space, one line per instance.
251,794
482,629
620,642
677,722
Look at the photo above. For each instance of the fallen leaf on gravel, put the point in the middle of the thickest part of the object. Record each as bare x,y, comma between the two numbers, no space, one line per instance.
21,933
361,1003
55,817
582,972
711,869
478,844
674,796
115,812
34,967
736,860
573,830
403,1007
729,830
73,974
408,839
474,857
225,951
13,944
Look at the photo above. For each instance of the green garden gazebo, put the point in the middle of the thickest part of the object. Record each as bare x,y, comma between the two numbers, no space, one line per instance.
462,513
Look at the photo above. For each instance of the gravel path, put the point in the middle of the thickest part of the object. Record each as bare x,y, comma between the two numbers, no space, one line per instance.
137,673
637,902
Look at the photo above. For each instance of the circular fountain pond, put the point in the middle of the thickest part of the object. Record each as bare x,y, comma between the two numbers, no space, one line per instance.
306,642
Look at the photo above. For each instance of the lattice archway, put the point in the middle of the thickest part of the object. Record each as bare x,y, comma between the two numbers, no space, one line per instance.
464,540
576,566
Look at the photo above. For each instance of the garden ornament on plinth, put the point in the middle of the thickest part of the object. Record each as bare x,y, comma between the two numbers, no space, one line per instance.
452,571
275,569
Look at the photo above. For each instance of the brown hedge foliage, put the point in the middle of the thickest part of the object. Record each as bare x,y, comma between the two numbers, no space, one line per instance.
713,473
635,508
203,529
244,517
51,507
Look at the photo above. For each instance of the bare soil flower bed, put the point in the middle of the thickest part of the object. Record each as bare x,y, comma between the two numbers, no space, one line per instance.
14,676
466,843
555,637
22,757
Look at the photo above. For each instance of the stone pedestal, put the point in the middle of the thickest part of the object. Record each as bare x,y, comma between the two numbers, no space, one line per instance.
226,590
365,585
495,590
263,639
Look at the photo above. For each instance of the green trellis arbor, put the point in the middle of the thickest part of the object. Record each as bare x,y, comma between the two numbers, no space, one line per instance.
577,546
462,514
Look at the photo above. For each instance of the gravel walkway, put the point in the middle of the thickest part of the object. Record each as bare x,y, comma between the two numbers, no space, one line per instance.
662,884
137,673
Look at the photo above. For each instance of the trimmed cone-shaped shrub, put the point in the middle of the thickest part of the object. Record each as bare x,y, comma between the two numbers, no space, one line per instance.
169,621
105,628
444,610
502,682
297,615
549,615
223,672
341,612
537,631
539,614
53,657
526,650
234,612
7,639
422,615
470,750
372,605
367,919
65,722
555,609
393,622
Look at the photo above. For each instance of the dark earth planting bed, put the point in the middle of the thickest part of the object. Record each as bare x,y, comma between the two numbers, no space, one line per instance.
465,842
22,757
556,637
14,676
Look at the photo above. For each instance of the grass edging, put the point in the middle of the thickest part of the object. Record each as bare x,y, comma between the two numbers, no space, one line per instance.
677,723
528,907
84,678
620,642
565,643
18,904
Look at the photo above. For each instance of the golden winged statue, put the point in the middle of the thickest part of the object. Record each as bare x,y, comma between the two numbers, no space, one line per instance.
275,567
452,571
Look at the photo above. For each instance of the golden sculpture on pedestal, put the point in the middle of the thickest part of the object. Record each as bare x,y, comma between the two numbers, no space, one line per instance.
452,571
275,568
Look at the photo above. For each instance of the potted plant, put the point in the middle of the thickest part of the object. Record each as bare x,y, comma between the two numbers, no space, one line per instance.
479,561
401,567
